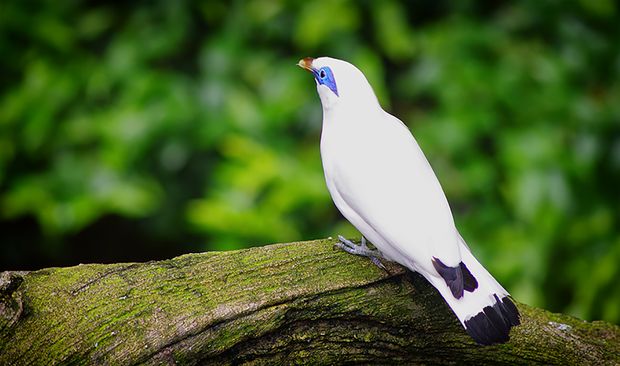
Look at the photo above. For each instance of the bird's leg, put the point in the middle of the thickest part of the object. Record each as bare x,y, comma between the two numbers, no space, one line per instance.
360,249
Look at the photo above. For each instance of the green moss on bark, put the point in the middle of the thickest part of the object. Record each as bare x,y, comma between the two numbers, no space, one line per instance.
299,302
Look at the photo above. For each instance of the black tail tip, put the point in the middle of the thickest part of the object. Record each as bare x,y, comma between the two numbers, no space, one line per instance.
492,325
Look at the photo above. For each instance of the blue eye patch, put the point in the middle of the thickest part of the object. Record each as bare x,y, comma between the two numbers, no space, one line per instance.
324,76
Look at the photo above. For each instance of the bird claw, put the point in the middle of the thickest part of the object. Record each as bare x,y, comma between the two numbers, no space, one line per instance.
378,263
361,249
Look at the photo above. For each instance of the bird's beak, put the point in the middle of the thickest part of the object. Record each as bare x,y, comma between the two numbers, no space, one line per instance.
306,63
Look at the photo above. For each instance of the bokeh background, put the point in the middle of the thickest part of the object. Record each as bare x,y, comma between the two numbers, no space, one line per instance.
132,131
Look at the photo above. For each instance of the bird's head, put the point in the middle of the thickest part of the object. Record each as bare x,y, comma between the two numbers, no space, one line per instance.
339,82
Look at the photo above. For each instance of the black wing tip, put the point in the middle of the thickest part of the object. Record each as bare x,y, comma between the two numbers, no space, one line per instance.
451,275
492,325
457,278
469,281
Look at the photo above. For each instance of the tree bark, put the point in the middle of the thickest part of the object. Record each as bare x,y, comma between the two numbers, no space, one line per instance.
295,303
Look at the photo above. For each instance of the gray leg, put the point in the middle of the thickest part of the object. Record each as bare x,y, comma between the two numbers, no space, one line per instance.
360,249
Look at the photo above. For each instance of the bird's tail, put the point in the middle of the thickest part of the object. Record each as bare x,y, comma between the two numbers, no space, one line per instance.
486,311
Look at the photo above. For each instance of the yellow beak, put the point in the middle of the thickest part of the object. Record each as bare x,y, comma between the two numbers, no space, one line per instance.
306,63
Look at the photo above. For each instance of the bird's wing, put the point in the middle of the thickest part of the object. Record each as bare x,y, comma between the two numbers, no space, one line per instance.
385,178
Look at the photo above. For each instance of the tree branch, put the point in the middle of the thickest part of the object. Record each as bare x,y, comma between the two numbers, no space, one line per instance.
303,303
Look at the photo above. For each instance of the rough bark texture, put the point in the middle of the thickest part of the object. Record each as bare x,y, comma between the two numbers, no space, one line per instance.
296,303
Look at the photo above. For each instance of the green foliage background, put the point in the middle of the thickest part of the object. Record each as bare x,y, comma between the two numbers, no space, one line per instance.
132,128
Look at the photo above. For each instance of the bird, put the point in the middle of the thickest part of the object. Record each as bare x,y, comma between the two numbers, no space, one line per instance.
380,180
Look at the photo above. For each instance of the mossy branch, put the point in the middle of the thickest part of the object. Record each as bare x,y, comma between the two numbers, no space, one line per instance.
296,303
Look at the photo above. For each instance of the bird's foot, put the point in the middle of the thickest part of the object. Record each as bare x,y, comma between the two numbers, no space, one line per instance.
361,249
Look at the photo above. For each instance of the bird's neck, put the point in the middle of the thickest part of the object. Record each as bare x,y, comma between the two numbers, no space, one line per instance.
347,108
351,120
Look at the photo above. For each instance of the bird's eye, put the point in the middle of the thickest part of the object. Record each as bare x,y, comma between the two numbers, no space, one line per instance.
324,76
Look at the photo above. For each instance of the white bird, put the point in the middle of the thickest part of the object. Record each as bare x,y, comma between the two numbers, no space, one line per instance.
380,180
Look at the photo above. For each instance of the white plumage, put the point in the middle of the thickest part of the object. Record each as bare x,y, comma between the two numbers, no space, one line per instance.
380,180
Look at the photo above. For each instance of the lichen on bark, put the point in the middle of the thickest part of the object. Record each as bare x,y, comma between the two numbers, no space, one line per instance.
294,303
